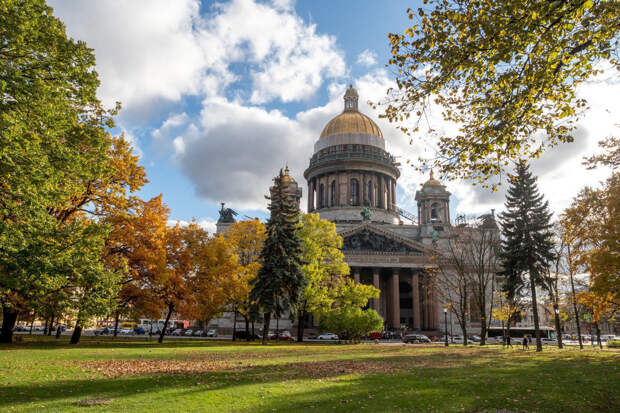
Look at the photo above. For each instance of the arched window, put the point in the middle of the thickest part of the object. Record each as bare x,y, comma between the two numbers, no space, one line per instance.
369,193
332,196
355,192
435,211
321,196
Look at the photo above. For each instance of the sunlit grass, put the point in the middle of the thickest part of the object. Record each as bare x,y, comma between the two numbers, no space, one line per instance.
185,375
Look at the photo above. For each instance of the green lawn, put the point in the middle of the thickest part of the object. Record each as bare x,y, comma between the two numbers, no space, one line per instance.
135,375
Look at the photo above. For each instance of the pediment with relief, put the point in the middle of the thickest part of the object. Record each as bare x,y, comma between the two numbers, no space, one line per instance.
368,239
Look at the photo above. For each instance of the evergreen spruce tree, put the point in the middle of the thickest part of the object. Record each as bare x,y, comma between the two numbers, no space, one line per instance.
280,280
527,245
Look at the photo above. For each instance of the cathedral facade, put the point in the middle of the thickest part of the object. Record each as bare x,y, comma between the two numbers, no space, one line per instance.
352,181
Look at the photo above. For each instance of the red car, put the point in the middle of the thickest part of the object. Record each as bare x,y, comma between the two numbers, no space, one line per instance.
375,336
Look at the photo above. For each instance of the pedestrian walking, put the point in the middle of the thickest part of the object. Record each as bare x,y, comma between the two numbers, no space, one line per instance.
525,346
508,343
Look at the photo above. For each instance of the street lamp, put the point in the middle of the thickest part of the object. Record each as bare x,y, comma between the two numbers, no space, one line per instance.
445,316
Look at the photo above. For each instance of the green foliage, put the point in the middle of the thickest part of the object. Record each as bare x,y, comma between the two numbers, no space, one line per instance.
351,322
527,245
614,344
503,71
324,264
346,317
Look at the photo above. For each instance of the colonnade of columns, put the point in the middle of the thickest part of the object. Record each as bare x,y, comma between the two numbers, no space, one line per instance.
337,189
425,302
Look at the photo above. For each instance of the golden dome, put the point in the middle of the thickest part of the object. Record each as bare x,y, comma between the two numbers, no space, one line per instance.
432,180
287,178
351,120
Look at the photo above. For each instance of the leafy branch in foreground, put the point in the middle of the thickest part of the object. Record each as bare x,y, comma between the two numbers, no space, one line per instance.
505,72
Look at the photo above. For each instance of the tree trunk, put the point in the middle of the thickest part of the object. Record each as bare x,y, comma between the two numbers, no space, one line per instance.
574,299
247,328
51,326
558,331
267,319
598,336
58,331
252,329
301,317
9,318
116,317
32,322
163,331
47,321
234,334
77,332
535,313
277,327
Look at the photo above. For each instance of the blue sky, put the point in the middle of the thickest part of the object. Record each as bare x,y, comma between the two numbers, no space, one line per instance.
218,96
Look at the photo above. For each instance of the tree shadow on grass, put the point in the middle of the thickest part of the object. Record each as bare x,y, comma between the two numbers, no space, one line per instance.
355,384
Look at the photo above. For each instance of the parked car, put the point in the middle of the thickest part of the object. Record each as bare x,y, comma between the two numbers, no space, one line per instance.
328,336
125,331
103,331
416,338
311,336
197,333
473,339
375,335
549,341
286,336
177,332
458,339
188,332
388,335
211,333
138,330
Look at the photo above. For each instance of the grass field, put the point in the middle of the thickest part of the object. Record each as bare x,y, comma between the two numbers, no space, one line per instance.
126,375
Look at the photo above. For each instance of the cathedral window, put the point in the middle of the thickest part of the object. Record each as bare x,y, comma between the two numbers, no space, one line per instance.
321,196
435,210
369,192
333,193
355,192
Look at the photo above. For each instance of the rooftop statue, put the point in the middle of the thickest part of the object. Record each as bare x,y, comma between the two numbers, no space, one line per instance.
227,215
365,214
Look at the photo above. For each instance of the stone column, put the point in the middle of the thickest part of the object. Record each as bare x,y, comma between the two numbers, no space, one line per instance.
395,299
415,292
310,195
356,275
376,302
436,310
393,193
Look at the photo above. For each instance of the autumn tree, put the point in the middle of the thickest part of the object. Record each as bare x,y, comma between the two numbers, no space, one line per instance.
527,243
503,71
216,275
323,269
135,249
280,279
247,239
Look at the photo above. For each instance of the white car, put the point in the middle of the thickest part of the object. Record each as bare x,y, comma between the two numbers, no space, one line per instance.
549,341
211,333
328,336
125,331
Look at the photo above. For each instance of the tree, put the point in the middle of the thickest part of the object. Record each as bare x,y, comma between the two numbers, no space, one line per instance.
450,278
323,270
247,239
527,245
280,280
216,281
347,317
53,140
135,249
508,310
502,71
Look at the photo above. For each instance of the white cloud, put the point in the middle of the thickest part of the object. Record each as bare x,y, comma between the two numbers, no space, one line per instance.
367,58
149,50
208,224
145,49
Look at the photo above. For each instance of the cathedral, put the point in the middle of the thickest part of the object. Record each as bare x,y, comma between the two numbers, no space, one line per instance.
351,181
